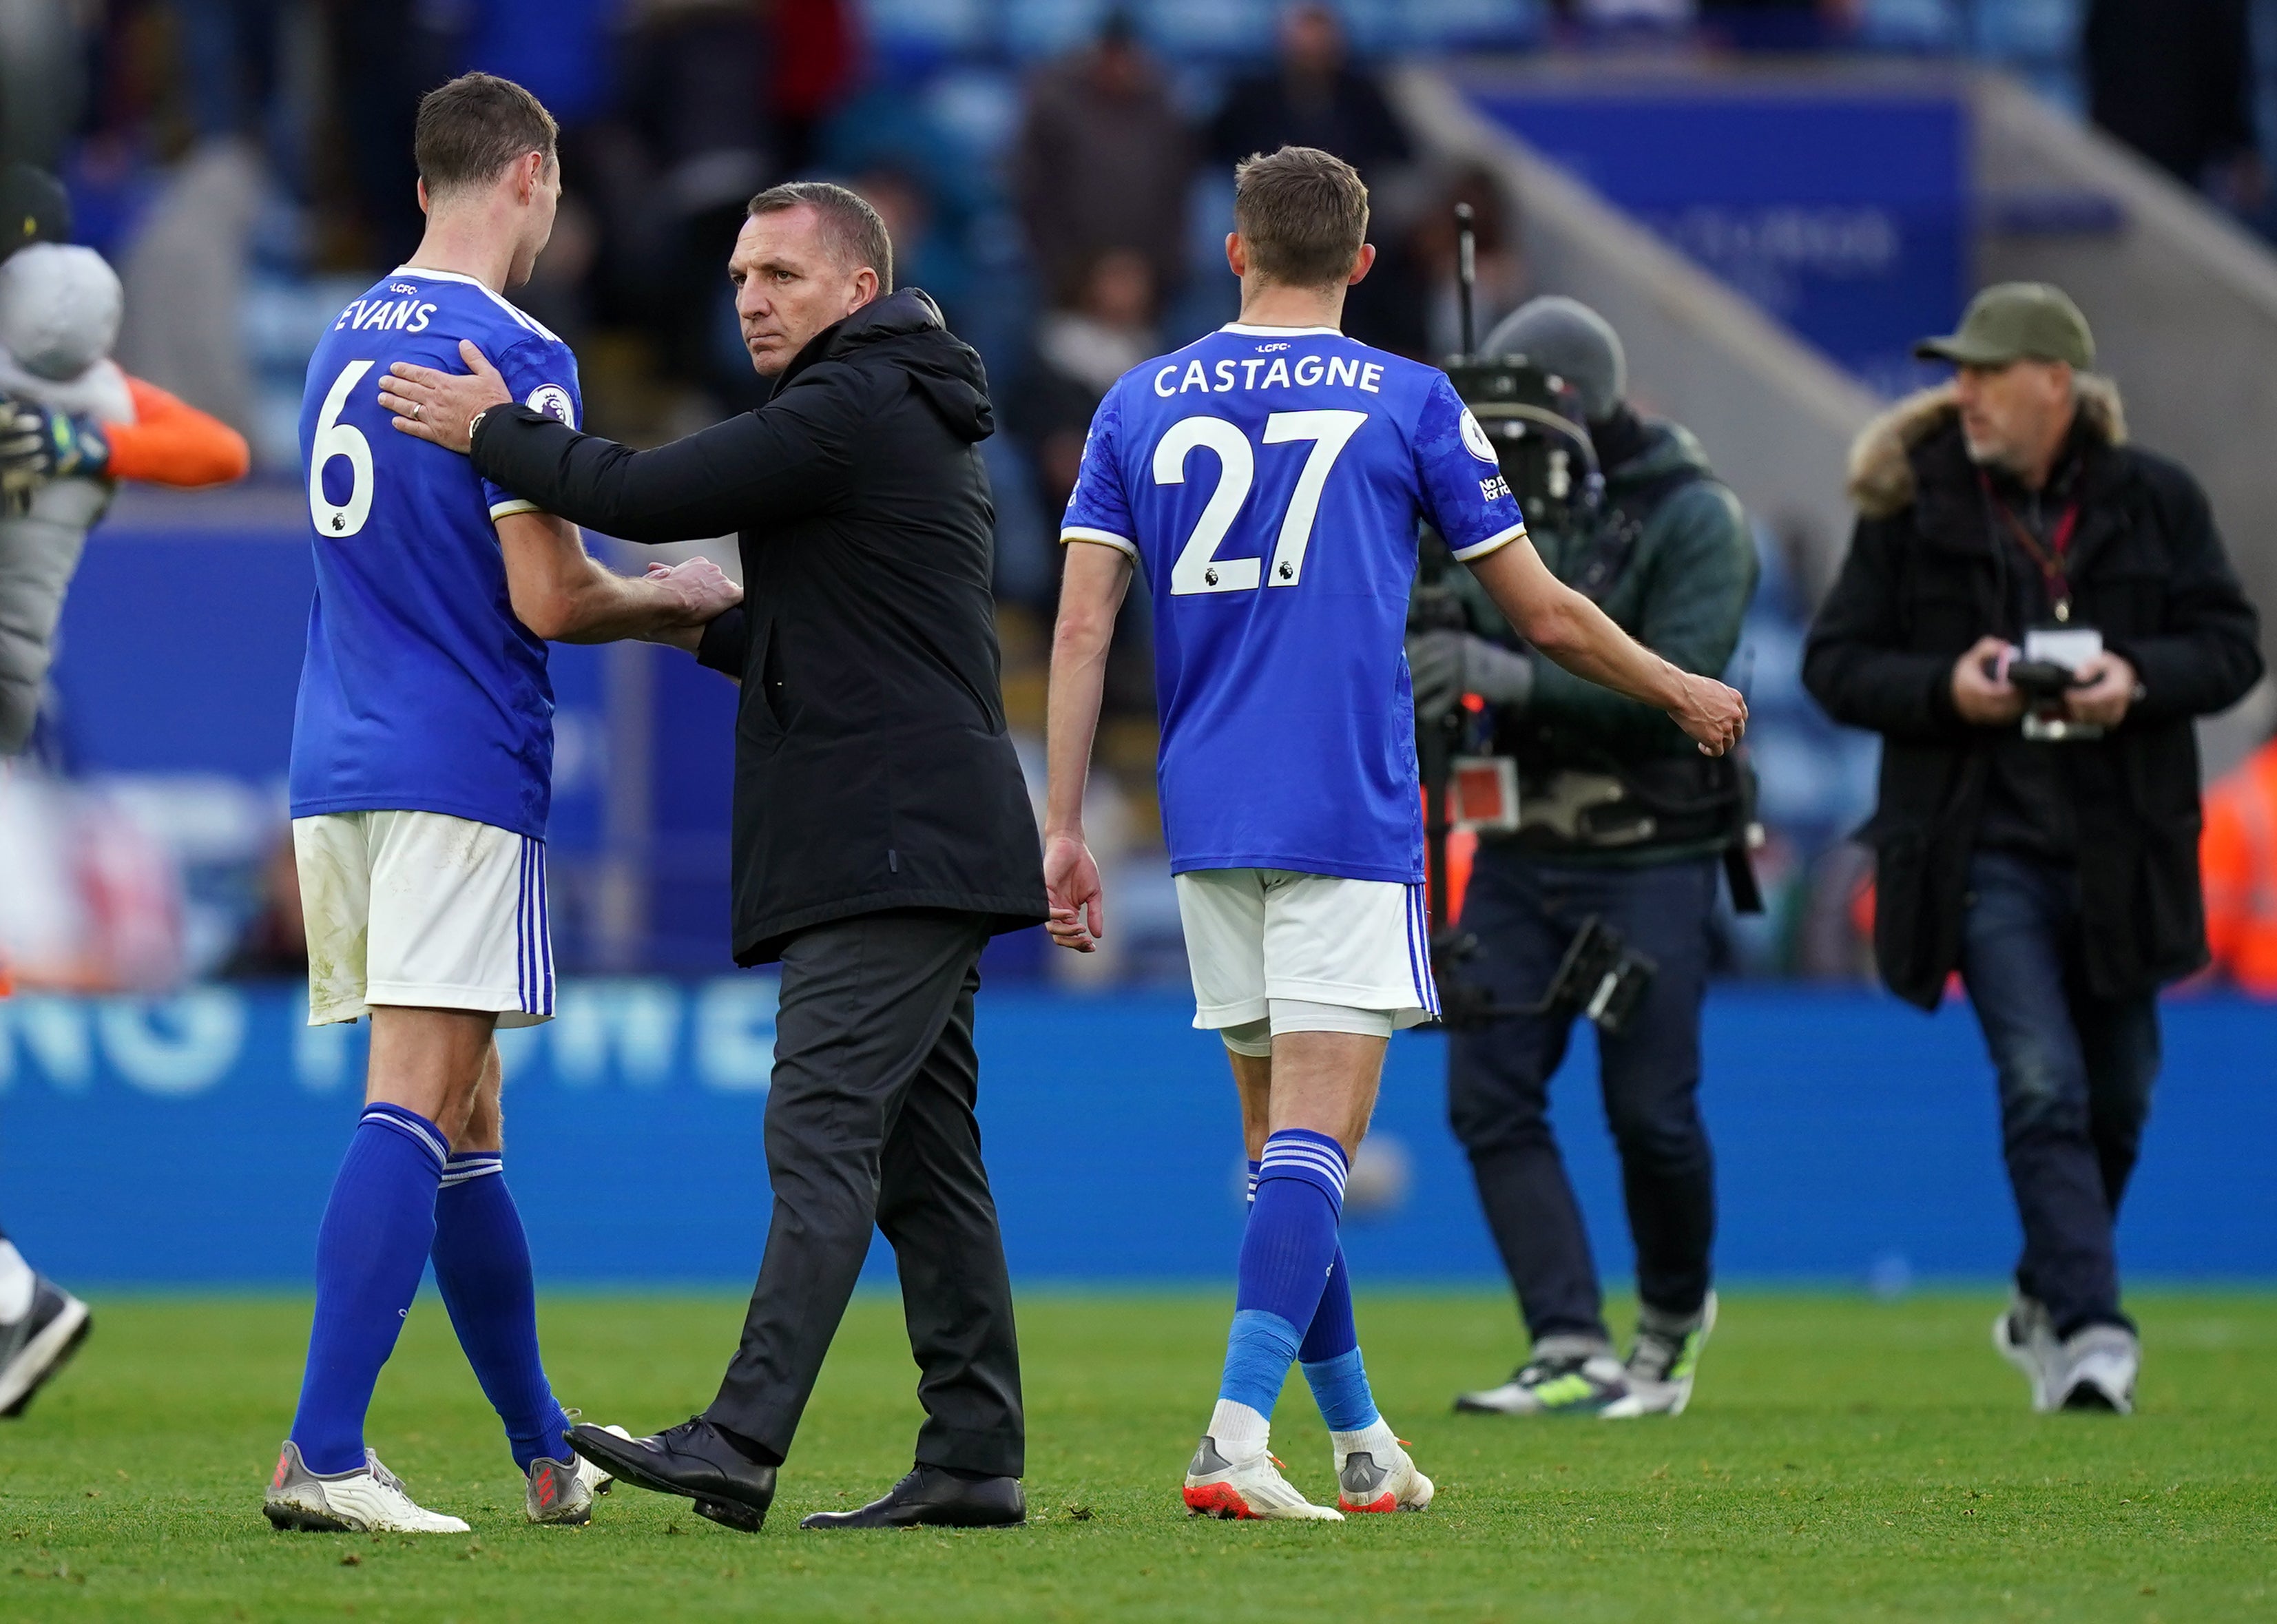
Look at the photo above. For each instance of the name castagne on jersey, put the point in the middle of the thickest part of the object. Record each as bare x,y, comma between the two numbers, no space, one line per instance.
1274,371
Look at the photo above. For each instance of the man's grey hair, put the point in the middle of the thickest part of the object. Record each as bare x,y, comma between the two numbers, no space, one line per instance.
855,233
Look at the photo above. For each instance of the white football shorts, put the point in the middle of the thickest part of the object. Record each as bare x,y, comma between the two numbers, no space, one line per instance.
1256,937
421,909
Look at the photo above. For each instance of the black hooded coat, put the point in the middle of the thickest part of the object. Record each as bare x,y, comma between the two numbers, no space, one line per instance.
874,768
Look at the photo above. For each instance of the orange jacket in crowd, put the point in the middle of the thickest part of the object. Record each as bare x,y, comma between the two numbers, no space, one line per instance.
173,443
2238,853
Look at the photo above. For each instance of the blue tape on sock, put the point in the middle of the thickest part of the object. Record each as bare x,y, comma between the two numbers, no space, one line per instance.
1340,1388
1259,1351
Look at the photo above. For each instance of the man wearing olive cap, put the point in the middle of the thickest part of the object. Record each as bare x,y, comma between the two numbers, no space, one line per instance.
2032,613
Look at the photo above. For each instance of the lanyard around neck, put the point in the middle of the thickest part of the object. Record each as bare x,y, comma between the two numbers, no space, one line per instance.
2054,569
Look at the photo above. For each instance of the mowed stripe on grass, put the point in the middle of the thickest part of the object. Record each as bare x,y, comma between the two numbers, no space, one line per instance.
1842,1460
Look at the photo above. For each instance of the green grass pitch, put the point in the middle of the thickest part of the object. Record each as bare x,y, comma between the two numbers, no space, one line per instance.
1842,1460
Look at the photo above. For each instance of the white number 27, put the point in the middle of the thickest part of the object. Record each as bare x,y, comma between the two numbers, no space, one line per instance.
1199,568
335,439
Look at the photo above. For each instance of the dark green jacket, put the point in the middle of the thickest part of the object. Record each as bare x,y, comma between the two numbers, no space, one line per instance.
1683,594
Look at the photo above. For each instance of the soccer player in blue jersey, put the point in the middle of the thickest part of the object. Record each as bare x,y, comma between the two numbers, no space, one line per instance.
1269,479
420,775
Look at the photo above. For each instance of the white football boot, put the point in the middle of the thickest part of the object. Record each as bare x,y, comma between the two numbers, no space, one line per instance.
368,1500
1379,1476
561,1492
1250,1487
2026,1338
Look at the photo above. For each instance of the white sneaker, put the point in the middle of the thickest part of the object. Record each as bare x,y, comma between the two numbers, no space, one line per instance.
368,1500
1252,1487
2096,1371
2026,1338
1368,1482
1661,1367
1563,1383
561,1492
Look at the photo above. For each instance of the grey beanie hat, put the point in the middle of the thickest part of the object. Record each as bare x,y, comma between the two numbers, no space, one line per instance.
1567,337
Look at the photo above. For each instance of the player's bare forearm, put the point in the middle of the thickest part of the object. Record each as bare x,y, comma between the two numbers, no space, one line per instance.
563,594
1570,629
1090,593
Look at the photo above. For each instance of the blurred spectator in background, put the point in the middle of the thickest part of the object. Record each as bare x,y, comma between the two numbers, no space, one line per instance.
1080,348
1079,352
2173,79
1498,258
384,54
1102,161
1780,25
186,273
275,945
695,93
816,47
42,78
1313,95
2043,841
925,255
2238,855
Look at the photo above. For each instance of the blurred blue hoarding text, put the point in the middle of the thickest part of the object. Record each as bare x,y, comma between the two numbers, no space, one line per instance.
194,1139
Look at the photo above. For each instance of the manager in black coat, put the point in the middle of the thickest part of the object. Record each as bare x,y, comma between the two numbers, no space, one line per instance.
882,828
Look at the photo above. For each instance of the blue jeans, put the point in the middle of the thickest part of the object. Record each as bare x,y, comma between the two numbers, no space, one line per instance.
1524,913
2075,1071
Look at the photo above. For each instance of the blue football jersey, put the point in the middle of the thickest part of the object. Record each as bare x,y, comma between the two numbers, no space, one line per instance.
420,690
1269,482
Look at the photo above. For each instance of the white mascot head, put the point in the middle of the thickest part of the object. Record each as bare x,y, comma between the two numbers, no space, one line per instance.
59,309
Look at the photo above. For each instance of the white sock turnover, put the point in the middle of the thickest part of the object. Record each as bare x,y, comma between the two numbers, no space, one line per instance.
1239,1430
1378,1441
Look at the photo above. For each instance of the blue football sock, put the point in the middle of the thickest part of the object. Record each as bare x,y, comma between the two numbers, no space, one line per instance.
1286,1253
370,1252
482,1266
1330,1355
1330,1351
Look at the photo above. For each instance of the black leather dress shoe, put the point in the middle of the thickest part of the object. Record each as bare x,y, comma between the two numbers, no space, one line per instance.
693,1458
931,1498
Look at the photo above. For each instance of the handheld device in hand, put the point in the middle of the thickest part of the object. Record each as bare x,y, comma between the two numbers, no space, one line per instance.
2053,656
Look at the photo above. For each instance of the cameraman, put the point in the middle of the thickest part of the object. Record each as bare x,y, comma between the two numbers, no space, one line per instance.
1623,819
2037,829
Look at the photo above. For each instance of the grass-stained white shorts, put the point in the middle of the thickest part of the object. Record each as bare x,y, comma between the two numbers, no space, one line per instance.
424,911
1254,935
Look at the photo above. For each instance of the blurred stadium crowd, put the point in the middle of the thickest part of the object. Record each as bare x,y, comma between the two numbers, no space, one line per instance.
1055,172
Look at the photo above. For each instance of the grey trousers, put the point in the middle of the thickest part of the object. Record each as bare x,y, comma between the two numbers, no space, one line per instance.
38,552
869,1123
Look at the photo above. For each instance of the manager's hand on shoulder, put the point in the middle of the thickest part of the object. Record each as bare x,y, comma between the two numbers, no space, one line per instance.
701,590
1713,715
441,408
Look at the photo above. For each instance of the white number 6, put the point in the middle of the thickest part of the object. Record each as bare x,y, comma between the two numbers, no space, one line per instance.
335,439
